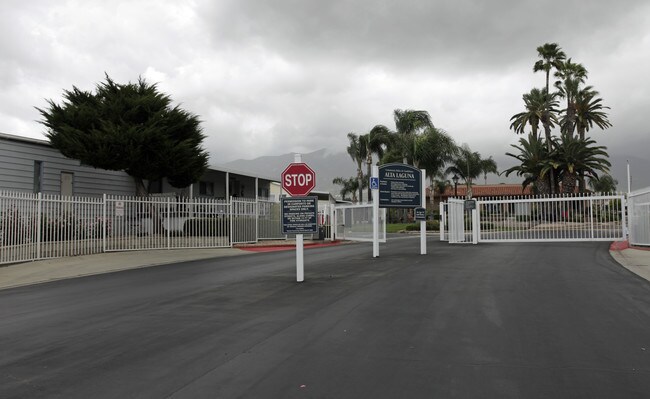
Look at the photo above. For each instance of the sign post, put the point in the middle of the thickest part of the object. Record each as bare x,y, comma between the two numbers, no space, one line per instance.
298,180
423,223
374,186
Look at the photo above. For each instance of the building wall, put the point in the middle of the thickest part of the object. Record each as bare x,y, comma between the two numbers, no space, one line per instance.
17,171
18,156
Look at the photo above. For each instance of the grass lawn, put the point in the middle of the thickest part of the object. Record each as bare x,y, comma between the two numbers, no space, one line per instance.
396,227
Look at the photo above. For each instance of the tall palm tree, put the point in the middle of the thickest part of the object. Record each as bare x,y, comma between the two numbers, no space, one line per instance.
408,123
357,151
574,156
534,163
377,140
570,77
588,111
549,120
551,57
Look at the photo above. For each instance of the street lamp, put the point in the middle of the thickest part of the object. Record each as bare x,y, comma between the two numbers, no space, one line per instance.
455,179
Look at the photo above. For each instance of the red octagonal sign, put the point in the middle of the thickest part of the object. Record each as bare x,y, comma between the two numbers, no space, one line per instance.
298,179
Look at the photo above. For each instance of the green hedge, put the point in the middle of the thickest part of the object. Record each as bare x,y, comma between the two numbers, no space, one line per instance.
432,225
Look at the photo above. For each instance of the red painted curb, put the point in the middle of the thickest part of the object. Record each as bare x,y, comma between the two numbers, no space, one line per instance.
287,247
619,245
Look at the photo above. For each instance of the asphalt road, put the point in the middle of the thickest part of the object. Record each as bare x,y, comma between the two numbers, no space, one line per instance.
485,321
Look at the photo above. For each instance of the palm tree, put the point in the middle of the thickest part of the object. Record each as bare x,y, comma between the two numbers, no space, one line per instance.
408,123
439,185
488,166
535,104
573,157
570,76
376,141
469,165
603,184
348,186
357,151
588,111
432,149
551,57
534,163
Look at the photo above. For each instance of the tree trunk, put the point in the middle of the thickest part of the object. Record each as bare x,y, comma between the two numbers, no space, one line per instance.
360,182
140,188
547,132
569,183
369,169
542,186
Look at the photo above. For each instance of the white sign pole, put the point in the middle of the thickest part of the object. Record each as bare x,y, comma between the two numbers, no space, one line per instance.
423,223
300,257
375,214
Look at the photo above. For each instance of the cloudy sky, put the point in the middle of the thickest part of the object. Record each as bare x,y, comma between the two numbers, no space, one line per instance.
272,77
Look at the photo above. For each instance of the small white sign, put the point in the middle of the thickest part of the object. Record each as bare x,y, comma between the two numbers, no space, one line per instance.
119,208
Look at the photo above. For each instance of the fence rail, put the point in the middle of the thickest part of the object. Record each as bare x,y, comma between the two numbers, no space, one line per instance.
36,226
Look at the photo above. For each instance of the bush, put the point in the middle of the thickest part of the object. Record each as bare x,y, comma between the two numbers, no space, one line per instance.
432,225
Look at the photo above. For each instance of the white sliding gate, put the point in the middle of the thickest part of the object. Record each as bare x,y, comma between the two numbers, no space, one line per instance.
531,219
354,222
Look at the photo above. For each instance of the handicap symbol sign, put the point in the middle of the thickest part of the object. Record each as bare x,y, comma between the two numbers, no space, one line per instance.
374,183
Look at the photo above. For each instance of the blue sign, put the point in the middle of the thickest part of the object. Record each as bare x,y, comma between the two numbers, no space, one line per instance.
400,186
374,183
420,214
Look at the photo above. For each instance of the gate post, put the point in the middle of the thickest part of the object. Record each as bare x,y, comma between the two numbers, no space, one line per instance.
475,225
442,221
39,216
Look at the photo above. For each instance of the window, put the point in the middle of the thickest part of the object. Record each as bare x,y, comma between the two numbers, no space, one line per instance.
38,176
206,188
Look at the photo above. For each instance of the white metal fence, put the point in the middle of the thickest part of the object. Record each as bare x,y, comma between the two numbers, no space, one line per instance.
528,219
639,210
35,226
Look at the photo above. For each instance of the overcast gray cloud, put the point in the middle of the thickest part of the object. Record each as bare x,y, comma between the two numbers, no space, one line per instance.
270,77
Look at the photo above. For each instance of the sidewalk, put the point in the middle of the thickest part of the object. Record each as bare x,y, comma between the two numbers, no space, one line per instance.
42,271
635,259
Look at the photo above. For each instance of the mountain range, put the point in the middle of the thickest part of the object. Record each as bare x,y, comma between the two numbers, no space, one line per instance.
329,165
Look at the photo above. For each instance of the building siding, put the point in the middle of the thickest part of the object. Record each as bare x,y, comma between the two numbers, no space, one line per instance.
18,155
17,159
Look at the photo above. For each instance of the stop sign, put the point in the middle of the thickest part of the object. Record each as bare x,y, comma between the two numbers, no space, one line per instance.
298,179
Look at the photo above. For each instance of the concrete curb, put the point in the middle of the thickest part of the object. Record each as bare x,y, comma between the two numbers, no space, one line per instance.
634,259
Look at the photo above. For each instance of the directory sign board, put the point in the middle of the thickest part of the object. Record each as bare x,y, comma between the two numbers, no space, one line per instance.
400,186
